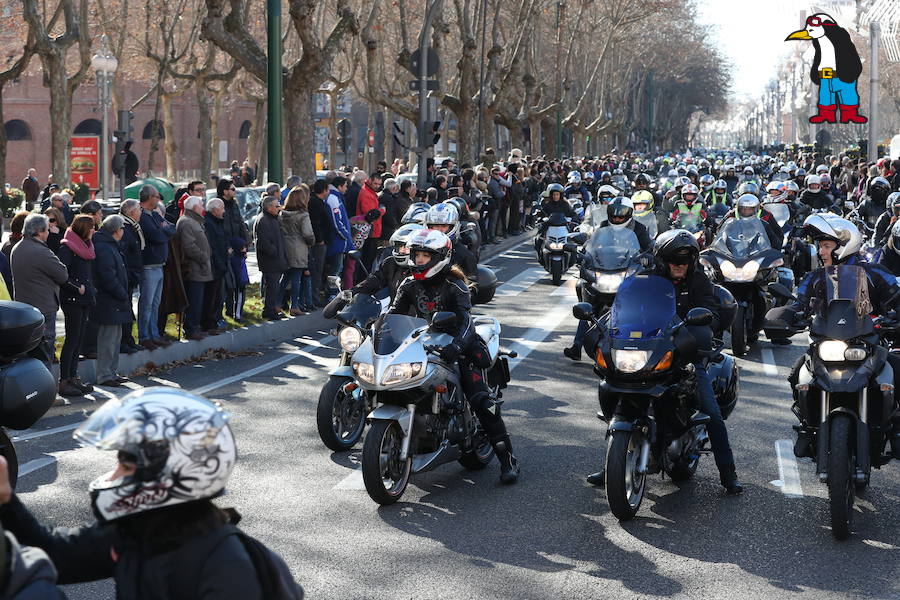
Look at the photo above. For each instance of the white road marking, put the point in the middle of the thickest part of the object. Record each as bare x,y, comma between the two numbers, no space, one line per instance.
33,465
769,366
566,289
32,435
788,472
353,481
534,336
520,282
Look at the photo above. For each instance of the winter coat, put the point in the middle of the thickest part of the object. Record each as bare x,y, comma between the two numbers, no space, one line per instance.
29,573
32,189
271,253
351,198
80,273
234,222
196,254
298,237
341,240
238,262
320,217
157,232
218,245
6,272
98,551
174,297
130,245
37,275
368,200
111,278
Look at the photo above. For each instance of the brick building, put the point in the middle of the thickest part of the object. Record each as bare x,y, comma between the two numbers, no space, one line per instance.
26,105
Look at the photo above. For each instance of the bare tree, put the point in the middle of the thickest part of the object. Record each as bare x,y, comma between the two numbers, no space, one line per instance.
14,68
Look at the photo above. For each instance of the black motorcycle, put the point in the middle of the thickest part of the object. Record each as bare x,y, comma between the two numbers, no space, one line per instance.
645,355
845,388
610,255
27,388
742,260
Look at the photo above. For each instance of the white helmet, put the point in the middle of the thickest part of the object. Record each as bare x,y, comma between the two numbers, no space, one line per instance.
777,186
400,238
416,213
748,203
821,169
434,243
620,209
672,174
824,226
180,444
574,177
444,213
791,186
813,180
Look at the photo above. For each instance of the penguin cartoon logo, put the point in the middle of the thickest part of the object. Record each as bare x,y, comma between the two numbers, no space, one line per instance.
835,69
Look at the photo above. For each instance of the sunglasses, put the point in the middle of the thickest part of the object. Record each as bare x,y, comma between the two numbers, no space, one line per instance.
818,22
53,220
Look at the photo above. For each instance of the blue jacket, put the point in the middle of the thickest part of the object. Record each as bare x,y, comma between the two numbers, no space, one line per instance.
156,237
882,285
342,241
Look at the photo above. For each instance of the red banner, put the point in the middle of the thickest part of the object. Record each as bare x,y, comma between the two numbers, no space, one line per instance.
84,162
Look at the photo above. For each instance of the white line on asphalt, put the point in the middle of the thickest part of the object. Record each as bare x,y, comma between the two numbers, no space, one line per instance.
534,336
787,470
769,362
33,465
353,481
566,289
33,435
520,282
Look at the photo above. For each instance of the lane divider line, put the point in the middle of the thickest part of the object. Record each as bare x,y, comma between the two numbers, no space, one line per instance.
520,282
788,471
769,367
33,465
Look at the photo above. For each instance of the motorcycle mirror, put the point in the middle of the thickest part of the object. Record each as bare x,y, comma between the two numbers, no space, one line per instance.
583,311
355,254
777,289
443,320
588,275
699,317
578,238
646,261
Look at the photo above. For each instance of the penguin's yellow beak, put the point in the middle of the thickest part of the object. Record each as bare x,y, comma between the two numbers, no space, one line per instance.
799,35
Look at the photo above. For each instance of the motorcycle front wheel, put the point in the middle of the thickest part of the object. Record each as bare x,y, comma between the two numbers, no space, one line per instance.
841,463
556,270
384,474
340,417
624,485
8,452
739,333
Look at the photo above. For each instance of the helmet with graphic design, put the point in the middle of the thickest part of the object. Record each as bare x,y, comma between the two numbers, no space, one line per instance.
443,217
690,193
707,182
436,245
400,239
619,212
416,213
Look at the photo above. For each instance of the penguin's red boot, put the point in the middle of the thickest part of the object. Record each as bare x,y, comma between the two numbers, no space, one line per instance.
827,114
849,114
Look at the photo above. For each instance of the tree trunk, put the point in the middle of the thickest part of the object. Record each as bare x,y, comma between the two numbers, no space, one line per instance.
254,140
204,127
170,146
215,115
3,143
60,116
301,131
388,142
369,151
535,141
333,132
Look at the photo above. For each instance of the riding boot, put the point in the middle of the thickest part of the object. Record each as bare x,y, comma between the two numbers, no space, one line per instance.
509,464
849,114
573,352
895,438
599,478
728,477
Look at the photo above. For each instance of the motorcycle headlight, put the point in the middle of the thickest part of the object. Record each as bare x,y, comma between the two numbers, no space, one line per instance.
832,350
350,339
364,371
733,273
555,245
608,283
401,372
630,361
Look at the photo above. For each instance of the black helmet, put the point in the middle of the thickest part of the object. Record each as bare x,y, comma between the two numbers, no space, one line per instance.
878,189
677,246
619,210
641,179
892,204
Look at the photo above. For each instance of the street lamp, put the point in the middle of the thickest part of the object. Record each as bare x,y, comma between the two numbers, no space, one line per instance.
104,64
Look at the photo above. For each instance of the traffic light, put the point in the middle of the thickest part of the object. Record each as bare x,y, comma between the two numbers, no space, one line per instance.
343,131
434,129
429,136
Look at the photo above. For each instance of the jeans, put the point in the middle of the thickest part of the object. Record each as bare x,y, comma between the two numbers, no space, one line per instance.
834,91
579,334
108,338
76,324
291,279
490,225
194,292
334,265
317,269
148,303
718,434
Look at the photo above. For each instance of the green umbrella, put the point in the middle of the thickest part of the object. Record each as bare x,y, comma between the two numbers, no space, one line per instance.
166,189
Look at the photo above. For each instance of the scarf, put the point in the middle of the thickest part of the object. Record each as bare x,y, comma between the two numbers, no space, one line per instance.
83,250
137,229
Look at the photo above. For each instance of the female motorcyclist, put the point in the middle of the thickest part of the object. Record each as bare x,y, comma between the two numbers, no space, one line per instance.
437,285
444,217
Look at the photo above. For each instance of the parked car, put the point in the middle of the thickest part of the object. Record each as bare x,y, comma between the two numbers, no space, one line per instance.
248,201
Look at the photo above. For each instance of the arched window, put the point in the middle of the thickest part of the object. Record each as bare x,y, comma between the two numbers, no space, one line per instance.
149,133
17,130
244,133
89,127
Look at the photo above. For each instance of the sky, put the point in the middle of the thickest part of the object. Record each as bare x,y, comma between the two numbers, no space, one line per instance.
751,34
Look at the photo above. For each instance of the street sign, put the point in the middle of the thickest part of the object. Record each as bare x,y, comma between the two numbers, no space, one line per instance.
432,66
430,84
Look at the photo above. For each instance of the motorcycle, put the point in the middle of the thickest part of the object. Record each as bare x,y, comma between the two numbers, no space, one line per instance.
342,406
845,387
27,388
644,356
421,419
610,255
693,223
742,260
551,247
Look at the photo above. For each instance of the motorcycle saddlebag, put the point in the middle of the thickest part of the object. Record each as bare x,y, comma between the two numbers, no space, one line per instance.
27,390
21,328
499,374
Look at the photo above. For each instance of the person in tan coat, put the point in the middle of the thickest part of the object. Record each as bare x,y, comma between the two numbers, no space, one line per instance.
196,266
298,237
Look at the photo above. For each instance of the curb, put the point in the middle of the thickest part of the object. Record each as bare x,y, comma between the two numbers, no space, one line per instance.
250,336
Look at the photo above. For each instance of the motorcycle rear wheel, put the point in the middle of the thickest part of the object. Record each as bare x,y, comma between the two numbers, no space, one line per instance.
841,463
8,452
556,271
624,485
339,418
384,474
739,333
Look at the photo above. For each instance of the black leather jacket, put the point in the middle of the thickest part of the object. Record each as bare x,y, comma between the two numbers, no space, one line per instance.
388,275
443,292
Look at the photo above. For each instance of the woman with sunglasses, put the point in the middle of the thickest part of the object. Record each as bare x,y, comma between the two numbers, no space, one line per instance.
57,228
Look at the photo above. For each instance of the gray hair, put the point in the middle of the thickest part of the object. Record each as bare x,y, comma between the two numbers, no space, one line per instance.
112,223
128,205
34,224
293,181
192,201
55,196
359,177
63,196
272,188
390,184
147,191
269,201
214,203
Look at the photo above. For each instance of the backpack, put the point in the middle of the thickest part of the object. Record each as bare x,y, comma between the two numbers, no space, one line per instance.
275,577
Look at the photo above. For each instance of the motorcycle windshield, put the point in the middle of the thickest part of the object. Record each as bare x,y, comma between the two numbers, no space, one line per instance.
393,330
612,249
780,211
648,220
362,310
643,309
843,313
690,221
742,238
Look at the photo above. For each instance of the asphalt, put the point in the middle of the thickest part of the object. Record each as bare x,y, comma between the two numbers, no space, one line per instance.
460,534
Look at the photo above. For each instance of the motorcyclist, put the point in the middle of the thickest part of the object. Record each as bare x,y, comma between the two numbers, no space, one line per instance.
813,196
749,175
676,252
690,203
556,203
887,219
838,242
871,208
438,285
889,255
157,532
577,187
717,194
748,206
444,217
644,203
392,271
